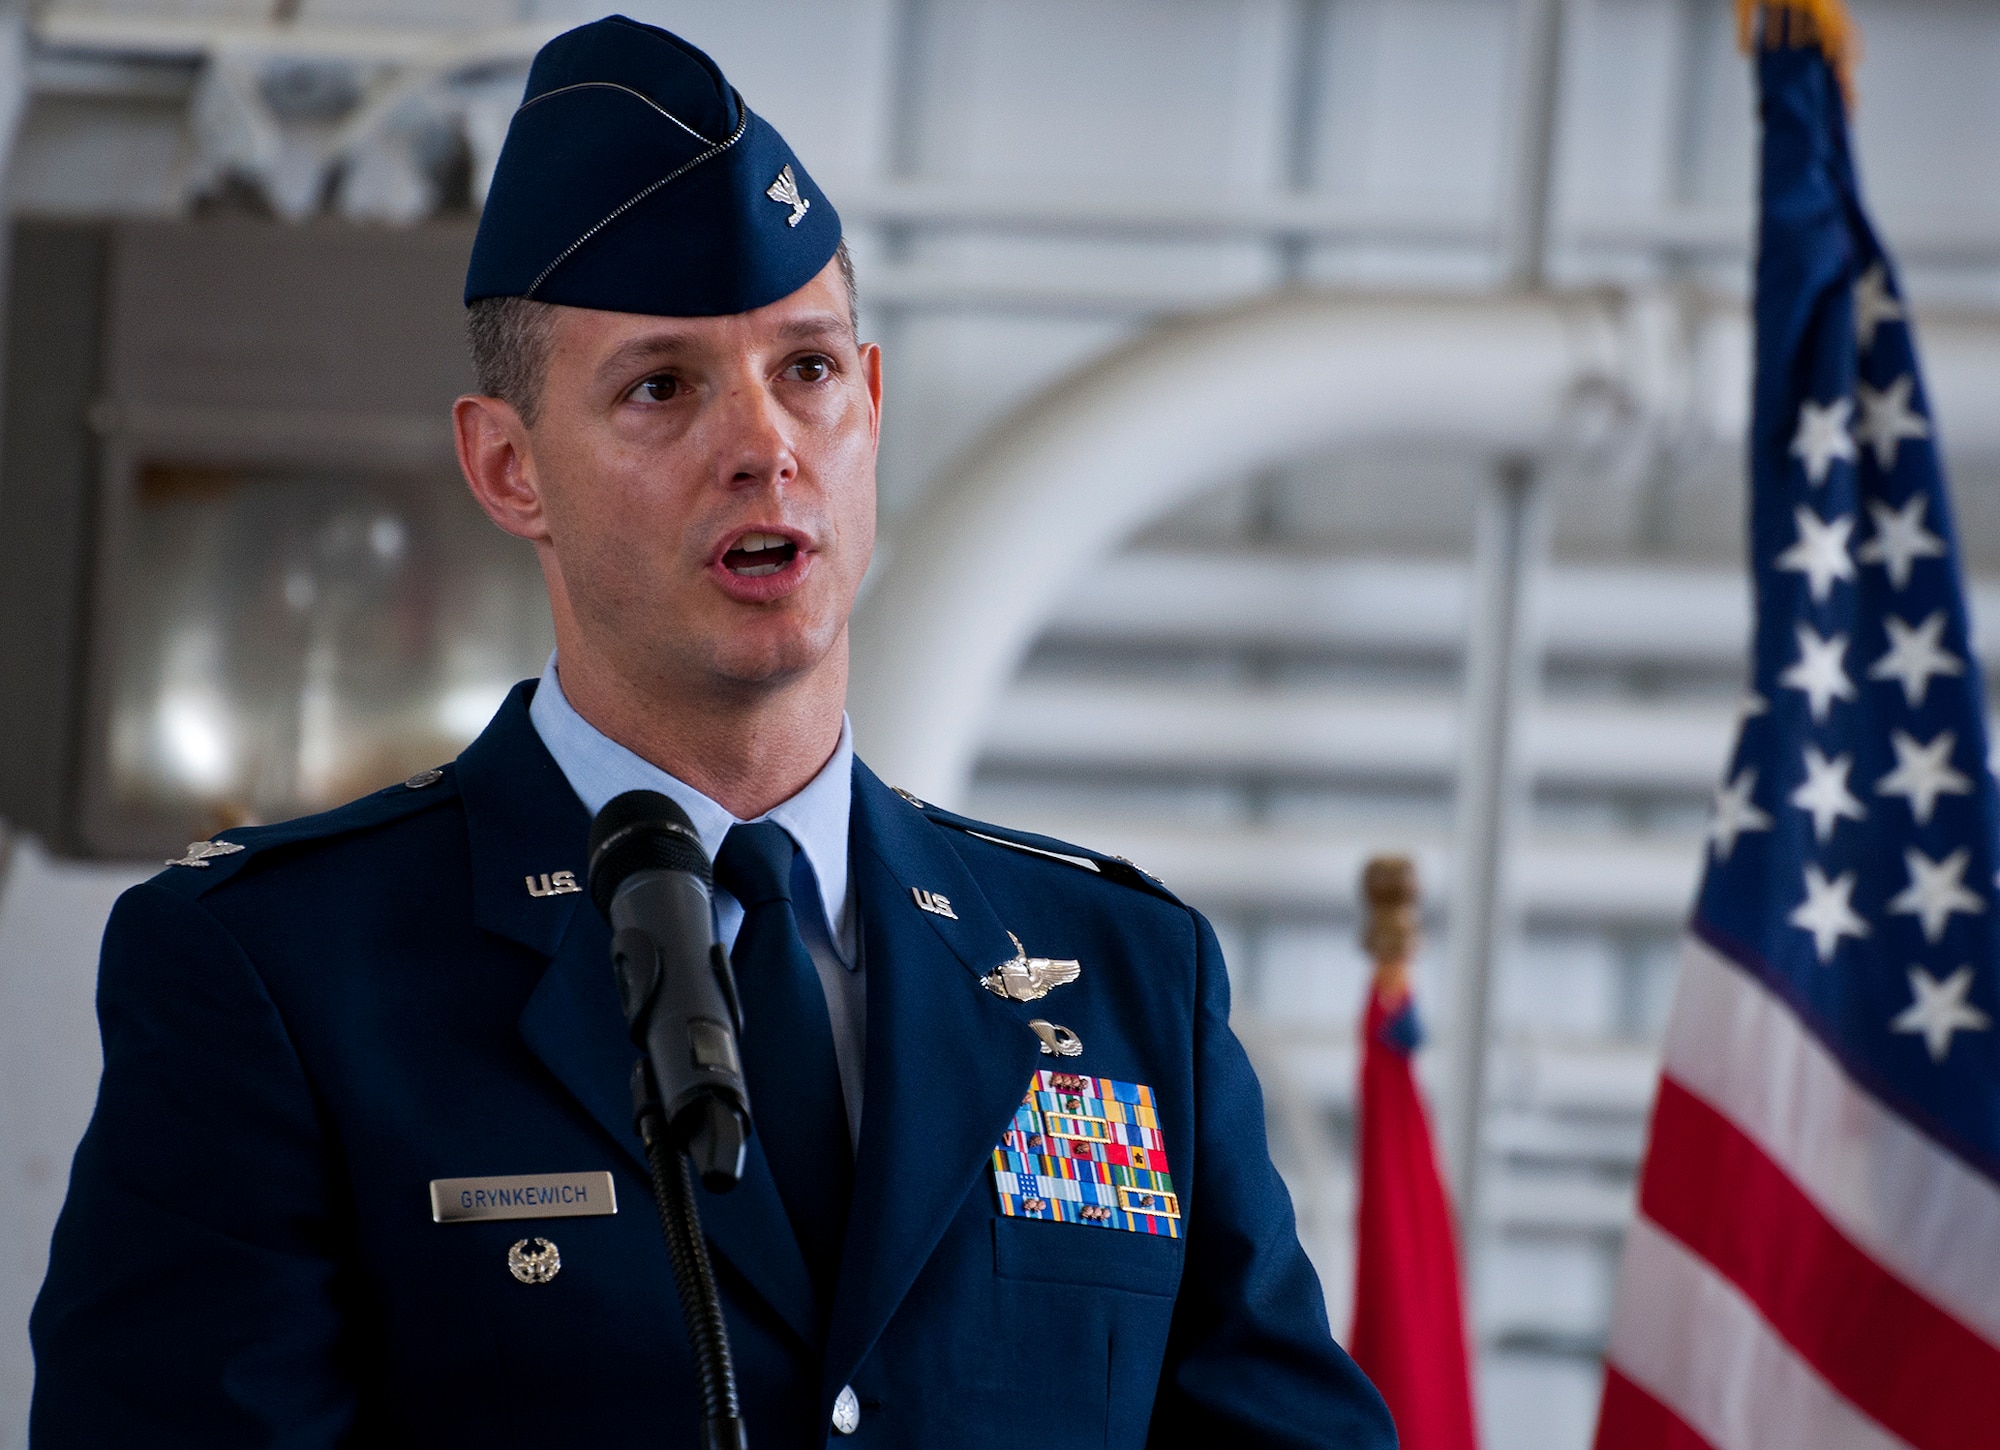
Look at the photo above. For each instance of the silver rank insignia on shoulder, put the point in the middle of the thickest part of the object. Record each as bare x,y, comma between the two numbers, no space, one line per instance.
553,883
534,1266
1137,867
200,853
785,191
933,902
1057,1041
1026,978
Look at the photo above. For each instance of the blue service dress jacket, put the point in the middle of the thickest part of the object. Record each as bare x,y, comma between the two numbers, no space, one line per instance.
300,1036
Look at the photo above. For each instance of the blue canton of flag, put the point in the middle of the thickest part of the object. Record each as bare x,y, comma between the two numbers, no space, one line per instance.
1853,848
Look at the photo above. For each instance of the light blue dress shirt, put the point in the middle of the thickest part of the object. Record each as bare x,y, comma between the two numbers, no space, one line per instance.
598,768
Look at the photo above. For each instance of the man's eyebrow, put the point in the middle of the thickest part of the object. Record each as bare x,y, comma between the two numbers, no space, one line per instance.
652,347
663,346
815,326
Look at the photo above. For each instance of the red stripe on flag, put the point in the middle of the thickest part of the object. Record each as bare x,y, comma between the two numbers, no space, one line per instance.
1633,1420
1901,1359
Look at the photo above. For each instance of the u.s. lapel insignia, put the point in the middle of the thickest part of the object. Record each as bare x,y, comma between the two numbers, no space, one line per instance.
1057,1040
1026,978
935,902
534,1266
553,883
199,853
785,191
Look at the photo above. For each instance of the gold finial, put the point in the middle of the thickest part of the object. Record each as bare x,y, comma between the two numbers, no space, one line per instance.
1390,932
1796,24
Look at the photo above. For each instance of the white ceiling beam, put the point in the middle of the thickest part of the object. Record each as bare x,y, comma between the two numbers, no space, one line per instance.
1537,1075
1641,880
1218,729
1626,614
156,36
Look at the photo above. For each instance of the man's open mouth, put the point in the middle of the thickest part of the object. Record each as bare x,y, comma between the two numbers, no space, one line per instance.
755,555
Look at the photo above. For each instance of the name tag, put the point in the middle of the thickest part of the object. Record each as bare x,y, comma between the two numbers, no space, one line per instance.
522,1195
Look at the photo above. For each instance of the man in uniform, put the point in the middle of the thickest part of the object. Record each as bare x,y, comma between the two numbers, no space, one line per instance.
362,1169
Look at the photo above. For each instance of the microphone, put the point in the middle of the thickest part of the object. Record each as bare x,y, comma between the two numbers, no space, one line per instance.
651,879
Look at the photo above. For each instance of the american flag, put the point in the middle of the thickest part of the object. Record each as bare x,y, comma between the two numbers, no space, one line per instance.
1816,1260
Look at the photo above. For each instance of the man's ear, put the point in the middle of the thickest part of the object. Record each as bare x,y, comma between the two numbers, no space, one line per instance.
499,465
871,372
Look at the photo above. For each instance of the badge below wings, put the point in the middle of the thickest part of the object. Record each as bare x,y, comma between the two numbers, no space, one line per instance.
1087,1150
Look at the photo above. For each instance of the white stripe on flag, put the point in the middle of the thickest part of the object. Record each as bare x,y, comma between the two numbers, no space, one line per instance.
1685,1335
1910,1205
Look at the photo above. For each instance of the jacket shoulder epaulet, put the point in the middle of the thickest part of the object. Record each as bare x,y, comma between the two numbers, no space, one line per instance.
208,864
1100,863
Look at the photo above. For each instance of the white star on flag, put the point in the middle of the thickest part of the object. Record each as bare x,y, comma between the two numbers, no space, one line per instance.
1886,419
1734,814
1900,539
1820,552
1825,796
1823,436
1923,773
1940,1010
1819,672
1750,707
1826,913
1873,305
1914,656
1936,890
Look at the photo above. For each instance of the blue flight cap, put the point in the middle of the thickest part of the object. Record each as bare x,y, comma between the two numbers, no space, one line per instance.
634,179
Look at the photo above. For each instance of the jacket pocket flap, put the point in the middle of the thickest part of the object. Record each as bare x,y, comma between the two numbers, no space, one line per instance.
1062,1253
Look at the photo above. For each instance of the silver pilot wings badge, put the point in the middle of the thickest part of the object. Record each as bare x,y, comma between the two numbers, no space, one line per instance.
200,853
1026,978
785,191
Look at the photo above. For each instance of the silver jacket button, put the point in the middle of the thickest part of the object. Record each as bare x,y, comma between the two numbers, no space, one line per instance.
846,1411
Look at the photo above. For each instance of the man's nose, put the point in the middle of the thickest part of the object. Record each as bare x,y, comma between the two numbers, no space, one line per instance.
756,444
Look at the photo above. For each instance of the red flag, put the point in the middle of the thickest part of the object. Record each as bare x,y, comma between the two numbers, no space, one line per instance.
1409,1312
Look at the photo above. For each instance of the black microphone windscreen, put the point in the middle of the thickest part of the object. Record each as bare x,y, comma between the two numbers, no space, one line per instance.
641,830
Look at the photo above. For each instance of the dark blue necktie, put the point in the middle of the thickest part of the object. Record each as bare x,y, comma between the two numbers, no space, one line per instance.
788,1054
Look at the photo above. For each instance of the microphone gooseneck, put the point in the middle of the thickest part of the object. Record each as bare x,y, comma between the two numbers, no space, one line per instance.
651,879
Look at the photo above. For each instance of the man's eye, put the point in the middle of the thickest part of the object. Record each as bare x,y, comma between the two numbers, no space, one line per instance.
658,388
814,369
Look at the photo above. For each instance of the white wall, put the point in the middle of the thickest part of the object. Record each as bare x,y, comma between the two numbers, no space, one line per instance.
51,916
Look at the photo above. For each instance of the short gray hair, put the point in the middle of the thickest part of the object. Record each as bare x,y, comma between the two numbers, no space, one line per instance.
509,338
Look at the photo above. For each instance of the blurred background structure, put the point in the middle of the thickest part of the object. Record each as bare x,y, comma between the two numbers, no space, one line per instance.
1314,428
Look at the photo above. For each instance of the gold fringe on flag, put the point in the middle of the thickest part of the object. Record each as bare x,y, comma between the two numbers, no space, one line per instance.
1796,24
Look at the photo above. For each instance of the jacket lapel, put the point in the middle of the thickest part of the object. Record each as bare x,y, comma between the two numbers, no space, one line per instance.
523,820
948,1062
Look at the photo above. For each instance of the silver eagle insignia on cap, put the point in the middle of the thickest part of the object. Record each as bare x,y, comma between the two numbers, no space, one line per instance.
785,191
199,853
1026,978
